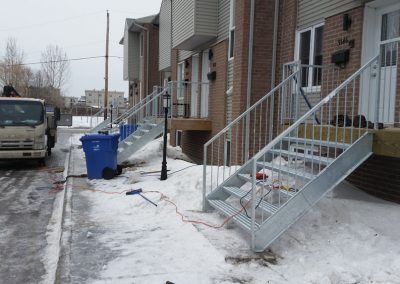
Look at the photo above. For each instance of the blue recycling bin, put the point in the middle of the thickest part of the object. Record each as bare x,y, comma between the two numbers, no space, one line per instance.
126,129
100,152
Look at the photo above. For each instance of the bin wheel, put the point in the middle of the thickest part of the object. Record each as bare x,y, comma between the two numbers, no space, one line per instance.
108,173
119,170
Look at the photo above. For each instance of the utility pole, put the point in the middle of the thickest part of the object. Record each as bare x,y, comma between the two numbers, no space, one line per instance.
106,74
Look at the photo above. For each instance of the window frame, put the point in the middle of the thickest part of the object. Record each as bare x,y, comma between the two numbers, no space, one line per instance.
312,29
178,138
180,79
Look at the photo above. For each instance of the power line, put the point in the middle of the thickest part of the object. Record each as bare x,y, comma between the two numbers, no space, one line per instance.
49,22
63,60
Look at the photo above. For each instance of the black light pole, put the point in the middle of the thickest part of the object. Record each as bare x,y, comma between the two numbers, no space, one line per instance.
164,162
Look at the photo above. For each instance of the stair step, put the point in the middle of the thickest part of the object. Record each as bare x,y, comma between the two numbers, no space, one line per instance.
239,193
240,218
316,142
144,130
246,177
290,154
286,170
136,137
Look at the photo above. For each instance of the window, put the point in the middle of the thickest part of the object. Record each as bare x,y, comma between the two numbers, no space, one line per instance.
390,29
231,30
178,138
309,52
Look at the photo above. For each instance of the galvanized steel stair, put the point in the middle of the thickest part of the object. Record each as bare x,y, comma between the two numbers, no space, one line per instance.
148,118
147,131
300,167
290,204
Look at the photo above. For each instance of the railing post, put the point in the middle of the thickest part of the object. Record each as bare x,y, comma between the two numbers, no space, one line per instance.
204,176
378,89
253,203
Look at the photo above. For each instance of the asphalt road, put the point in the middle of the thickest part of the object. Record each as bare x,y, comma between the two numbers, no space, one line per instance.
26,204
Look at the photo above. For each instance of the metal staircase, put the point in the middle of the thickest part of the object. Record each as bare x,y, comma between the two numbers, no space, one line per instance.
138,126
274,162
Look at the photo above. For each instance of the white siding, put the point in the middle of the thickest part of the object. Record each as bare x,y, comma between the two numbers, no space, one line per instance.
311,11
183,20
206,17
184,54
223,19
165,36
131,56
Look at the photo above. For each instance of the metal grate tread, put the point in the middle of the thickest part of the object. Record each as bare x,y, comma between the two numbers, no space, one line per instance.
239,193
229,210
286,170
315,159
316,142
247,178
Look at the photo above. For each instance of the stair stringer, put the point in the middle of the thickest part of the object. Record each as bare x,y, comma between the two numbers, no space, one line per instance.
100,126
312,192
127,151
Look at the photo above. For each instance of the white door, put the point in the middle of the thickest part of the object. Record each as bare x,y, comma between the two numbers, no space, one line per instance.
204,84
195,85
381,36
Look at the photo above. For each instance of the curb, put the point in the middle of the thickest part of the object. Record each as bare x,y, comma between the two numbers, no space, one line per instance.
54,231
62,269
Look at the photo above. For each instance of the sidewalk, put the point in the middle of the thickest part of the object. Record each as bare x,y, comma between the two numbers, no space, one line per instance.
109,237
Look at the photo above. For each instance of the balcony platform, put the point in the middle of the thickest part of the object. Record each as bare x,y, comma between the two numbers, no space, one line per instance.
386,141
195,124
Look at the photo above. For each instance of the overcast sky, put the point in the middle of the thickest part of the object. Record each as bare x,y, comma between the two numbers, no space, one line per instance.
79,28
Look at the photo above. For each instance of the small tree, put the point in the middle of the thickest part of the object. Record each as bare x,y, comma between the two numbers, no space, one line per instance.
55,67
12,70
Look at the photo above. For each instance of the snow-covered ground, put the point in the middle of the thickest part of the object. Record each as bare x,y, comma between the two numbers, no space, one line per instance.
348,237
84,122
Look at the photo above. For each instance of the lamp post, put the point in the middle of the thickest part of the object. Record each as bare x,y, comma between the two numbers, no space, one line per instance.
164,162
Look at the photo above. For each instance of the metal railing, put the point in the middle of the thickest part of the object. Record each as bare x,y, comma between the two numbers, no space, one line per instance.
150,109
315,83
189,99
305,149
244,136
124,117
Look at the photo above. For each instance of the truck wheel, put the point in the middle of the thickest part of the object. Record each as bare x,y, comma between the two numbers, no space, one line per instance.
42,162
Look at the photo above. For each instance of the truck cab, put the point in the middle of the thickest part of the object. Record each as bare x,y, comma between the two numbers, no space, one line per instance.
24,129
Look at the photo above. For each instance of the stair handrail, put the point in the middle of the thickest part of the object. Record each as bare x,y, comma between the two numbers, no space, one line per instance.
324,101
233,122
106,123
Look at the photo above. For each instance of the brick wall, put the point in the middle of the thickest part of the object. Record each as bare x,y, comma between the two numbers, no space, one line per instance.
286,35
379,176
154,74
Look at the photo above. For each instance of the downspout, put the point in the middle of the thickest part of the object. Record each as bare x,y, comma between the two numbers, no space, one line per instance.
274,43
249,78
147,55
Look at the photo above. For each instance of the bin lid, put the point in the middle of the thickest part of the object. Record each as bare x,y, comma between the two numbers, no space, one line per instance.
95,136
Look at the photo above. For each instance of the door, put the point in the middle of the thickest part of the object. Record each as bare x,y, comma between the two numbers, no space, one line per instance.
195,85
381,36
389,37
204,84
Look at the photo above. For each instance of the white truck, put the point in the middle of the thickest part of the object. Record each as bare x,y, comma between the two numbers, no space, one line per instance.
27,130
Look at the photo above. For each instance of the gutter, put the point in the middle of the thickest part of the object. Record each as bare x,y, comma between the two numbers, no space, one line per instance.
274,43
249,77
